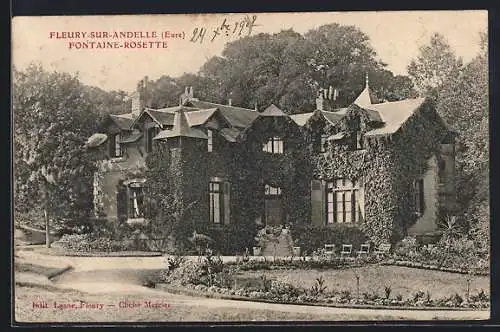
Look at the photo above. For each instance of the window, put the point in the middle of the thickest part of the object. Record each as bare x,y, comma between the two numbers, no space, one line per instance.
210,140
274,145
135,200
320,143
342,201
359,140
418,189
115,146
150,134
219,201
272,191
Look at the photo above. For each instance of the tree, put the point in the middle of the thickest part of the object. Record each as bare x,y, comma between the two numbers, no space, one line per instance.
435,65
53,117
461,94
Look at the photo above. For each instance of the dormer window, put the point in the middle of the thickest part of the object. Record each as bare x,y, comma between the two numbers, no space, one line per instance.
115,146
320,143
210,140
274,145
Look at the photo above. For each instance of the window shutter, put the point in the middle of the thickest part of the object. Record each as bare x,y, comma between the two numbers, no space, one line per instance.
112,144
420,184
226,204
121,203
318,203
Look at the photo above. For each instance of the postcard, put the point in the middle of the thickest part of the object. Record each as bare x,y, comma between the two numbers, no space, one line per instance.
251,167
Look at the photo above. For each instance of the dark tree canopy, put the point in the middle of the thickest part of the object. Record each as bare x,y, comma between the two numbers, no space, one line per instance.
288,69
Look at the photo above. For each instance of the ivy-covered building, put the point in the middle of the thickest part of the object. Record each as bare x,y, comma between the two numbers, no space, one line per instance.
386,167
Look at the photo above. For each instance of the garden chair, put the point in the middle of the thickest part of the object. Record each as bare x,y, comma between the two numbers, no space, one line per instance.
329,250
346,251
382,250
364,250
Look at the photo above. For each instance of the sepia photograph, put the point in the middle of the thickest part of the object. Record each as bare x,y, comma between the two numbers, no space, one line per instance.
251,167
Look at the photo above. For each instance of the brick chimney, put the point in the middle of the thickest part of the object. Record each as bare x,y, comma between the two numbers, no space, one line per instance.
325,101
320,100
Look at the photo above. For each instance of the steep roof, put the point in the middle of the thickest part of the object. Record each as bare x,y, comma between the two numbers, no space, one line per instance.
163,117
273,110
367,97
301,118
123,121
230,134
181,128
236,116
332,117
196,118
394,114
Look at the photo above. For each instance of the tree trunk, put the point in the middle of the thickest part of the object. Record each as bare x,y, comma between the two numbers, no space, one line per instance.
47,230
46,216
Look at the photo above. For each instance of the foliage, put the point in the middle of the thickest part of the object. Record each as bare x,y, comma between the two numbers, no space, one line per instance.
287,69
436,64
461,94
53,116
232,239
88,243
387,291
449,253
319,286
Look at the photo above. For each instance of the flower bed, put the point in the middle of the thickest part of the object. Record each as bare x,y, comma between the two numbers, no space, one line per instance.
211,276
418,265
301,263
329,300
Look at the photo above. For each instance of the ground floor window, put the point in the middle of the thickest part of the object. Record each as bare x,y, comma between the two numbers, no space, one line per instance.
342,201
219,191
135,200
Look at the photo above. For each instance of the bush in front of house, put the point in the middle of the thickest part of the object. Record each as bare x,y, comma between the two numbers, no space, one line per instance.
457,254
232,239
88,243
311,238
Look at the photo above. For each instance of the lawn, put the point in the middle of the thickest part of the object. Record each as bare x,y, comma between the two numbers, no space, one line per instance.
374,278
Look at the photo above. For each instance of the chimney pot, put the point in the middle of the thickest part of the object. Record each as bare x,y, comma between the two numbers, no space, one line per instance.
229,102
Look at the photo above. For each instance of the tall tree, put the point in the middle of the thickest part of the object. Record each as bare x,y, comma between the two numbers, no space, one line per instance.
436,64
53,117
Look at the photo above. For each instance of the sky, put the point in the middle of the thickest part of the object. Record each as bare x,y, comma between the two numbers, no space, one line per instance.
395,36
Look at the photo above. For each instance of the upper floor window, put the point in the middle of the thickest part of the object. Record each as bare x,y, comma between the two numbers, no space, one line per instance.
115,146
320,143
150,134
342,201
135,200
274,145
272,191
210,140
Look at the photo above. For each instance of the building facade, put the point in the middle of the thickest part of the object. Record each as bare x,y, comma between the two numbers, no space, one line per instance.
387,167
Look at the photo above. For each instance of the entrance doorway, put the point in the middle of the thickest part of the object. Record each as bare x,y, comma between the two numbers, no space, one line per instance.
273,208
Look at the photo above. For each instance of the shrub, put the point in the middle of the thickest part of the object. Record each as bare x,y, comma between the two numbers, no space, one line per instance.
311,238
88,243
387,291
319,286
232,239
